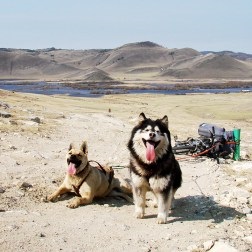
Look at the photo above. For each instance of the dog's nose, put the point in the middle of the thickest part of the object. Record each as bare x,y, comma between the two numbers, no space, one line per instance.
73,158
152,134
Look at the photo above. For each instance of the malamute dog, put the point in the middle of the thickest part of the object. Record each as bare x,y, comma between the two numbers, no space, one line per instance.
153,166
87,181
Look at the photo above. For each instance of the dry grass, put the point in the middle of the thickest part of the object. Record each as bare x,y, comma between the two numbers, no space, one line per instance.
230,109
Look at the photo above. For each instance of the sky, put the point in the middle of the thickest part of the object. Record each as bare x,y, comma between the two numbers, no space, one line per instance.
204,25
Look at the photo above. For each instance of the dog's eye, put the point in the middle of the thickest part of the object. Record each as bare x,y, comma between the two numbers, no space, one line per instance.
157,131
147,130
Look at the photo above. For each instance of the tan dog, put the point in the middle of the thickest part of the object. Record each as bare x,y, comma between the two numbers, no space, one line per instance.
87,181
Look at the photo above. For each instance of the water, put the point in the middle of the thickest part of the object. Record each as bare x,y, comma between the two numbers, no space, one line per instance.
59,89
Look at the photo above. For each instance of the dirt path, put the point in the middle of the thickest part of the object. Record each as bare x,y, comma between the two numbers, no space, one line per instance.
213,206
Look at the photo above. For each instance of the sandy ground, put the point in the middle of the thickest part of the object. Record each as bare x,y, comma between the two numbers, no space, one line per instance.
213,206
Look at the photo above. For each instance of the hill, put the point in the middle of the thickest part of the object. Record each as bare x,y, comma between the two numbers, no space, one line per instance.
133,61
236,55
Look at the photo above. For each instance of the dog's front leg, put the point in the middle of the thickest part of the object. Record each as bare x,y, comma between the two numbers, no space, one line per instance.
164,204
139,195
86,198
61,190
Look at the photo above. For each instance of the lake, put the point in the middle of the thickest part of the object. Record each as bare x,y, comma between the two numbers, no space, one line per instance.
60,89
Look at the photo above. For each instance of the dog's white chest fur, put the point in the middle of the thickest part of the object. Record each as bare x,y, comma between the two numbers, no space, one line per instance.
159,184
139,181
154,184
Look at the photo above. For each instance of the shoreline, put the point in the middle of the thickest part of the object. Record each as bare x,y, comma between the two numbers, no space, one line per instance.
106,88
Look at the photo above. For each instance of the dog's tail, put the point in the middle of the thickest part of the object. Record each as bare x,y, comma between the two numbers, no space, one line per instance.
122,188
117,193
126,186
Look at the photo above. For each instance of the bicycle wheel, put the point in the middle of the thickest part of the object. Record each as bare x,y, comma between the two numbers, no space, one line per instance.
183,149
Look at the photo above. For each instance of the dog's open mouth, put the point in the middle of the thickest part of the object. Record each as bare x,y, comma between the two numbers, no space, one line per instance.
72,166
150,149
146,142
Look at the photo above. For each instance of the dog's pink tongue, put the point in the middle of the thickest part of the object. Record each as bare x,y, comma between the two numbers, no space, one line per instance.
150,152
71,169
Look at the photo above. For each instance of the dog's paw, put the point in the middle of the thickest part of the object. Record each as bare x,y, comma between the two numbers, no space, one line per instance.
139,212
139,215
161,221
73,204
161,218
50,198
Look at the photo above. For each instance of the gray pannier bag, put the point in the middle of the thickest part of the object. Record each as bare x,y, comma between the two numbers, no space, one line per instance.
211,131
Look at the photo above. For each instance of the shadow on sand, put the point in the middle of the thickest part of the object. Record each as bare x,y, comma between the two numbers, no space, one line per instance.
199,207
189,208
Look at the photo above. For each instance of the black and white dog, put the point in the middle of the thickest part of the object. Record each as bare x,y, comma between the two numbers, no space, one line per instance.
153,166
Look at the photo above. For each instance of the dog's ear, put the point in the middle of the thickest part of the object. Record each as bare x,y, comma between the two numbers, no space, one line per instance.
84,147
165,121
142,117
71,146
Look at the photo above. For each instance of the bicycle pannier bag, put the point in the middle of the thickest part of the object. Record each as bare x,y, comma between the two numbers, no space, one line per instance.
211,130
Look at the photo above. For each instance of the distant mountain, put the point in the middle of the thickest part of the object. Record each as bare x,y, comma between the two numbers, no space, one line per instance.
236,55
139,61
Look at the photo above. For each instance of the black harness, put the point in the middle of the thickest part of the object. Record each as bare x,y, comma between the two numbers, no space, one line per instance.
109,171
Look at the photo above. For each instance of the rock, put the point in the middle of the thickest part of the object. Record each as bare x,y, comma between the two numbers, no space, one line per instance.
250,201
4,114
225,198
226,183
240,193
242,200
36,119
13,122
249,216
249,187
239,233
246,210
208,245
25,185
240,181
29,123
20,193
248,239
192,247
194,231
241,166
125,227
13,227
222,247
4,105
2,190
